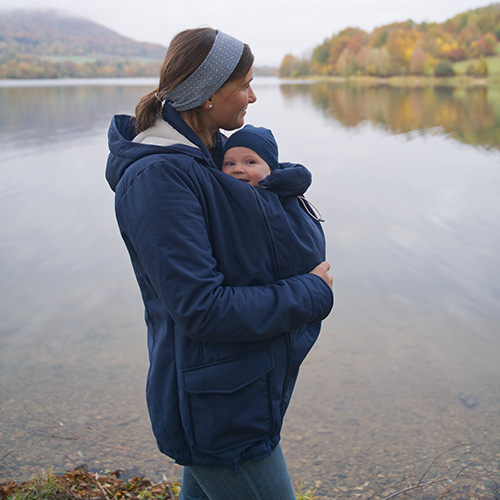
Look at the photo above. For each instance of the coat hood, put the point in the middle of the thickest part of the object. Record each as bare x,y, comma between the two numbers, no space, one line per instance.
169,134
125,147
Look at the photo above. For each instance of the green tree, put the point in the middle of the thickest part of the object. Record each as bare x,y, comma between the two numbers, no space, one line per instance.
444,69
478,69
378,37
321,53
319,59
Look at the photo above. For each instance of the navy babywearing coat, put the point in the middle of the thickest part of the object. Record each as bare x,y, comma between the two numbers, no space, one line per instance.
230,308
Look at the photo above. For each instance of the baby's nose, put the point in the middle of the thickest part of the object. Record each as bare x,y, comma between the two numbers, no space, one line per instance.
238,167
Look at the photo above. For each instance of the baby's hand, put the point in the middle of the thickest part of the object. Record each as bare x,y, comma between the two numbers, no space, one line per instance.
321,270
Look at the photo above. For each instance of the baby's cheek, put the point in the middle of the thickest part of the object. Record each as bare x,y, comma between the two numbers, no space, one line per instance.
255,178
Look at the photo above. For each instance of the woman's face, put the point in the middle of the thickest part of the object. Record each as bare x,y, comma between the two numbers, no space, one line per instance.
229,103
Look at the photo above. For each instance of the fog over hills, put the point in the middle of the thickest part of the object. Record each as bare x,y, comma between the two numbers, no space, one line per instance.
51,33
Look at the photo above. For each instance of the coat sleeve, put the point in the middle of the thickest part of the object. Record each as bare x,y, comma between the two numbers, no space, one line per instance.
162,222
291,179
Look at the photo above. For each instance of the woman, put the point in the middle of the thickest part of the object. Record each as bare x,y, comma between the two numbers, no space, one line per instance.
227,330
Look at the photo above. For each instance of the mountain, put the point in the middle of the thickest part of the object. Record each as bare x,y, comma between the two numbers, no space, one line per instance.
50,33
49,44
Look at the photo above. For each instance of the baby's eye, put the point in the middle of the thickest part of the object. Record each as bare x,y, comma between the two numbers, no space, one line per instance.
228,164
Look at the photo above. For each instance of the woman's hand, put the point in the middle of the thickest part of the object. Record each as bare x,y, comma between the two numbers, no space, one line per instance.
321,270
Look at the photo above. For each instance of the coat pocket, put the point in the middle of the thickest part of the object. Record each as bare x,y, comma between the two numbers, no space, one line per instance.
229,402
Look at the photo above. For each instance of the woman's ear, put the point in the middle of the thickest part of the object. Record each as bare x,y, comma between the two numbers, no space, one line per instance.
208,104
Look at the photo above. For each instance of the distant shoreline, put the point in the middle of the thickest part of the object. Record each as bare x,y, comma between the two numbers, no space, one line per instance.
66,82
411,81
63,82
392,81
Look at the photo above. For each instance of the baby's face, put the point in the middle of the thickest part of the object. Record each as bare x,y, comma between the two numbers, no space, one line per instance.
245,165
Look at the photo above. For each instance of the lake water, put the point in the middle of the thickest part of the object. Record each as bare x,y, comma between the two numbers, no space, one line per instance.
408,363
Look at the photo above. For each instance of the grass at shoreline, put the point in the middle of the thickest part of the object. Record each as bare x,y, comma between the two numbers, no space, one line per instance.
412,81
83,484
453,474
417,81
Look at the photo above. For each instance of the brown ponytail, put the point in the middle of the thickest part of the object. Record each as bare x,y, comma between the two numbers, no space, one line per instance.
146,111
187,50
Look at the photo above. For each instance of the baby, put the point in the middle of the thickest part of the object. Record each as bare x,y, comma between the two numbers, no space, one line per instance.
250,154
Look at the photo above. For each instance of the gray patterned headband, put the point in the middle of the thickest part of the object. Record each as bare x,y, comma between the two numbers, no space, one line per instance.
209,76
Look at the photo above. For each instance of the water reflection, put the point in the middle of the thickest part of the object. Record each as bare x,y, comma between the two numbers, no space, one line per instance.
41,114
471,116
407,364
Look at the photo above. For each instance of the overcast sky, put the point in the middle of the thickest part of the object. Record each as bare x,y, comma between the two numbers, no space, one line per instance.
272,28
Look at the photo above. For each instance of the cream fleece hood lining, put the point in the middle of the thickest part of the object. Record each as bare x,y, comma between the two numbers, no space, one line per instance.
162,134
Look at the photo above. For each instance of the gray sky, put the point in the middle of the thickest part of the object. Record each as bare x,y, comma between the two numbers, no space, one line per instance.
272,28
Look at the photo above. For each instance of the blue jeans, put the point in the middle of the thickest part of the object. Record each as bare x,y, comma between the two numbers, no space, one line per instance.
266,479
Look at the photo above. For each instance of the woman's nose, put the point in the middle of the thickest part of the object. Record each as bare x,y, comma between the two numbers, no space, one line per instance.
251,95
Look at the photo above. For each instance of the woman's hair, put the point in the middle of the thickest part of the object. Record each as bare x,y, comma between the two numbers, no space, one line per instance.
187,50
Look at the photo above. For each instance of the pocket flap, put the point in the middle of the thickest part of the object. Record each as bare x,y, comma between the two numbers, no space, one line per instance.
229,375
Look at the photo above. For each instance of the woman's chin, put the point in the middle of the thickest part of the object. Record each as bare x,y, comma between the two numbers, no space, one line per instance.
236,124
241,119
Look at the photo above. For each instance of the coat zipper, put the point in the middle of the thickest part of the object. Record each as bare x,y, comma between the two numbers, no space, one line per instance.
277,270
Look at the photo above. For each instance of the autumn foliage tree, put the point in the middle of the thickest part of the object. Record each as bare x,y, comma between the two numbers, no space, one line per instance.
402,48
293,67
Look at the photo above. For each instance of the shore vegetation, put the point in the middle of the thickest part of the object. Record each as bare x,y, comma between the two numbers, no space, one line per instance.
466,44
82,484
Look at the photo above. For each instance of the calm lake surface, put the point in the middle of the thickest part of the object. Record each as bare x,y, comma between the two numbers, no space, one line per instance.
408,363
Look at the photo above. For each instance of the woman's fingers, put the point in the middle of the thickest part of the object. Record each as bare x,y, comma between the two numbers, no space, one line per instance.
321,270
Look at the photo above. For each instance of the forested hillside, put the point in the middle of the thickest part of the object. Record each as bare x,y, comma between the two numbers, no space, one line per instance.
46,44
406,48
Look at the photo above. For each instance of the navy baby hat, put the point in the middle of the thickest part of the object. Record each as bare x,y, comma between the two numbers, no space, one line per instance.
259,139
